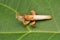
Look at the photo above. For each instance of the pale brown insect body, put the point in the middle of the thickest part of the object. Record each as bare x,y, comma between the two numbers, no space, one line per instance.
27,18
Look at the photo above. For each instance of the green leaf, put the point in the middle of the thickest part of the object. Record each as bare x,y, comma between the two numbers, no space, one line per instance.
12,29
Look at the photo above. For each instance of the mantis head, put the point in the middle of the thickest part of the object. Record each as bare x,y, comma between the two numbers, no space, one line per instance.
19,17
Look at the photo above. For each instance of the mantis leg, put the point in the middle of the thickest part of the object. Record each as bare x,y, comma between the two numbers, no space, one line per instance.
25,22
33,12
32,23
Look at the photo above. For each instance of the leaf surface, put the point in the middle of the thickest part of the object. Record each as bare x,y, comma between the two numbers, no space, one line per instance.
12,29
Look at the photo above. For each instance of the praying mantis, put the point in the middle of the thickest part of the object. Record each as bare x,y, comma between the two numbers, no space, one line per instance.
26,19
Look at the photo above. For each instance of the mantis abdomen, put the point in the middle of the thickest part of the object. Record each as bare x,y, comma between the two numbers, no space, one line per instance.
41,17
